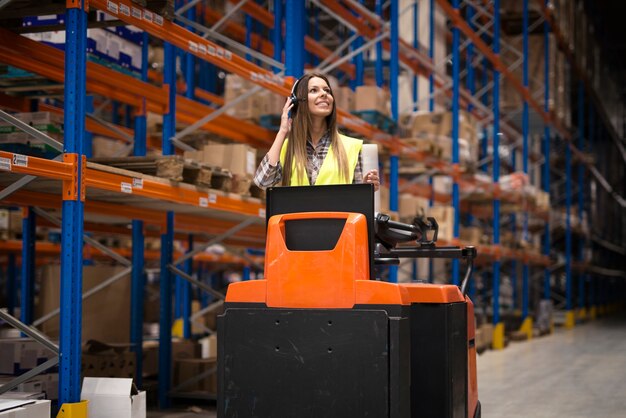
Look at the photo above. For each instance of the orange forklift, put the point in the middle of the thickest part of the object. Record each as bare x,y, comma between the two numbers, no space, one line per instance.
322,336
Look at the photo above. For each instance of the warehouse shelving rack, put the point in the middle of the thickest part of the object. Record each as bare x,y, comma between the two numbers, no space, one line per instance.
163,99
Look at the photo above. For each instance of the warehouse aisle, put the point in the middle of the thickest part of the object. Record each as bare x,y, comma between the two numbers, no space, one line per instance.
575,374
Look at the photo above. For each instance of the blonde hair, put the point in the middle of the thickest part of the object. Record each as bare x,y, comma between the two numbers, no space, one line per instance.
295,156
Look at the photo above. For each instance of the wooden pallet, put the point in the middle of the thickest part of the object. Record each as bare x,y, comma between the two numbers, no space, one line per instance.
174,168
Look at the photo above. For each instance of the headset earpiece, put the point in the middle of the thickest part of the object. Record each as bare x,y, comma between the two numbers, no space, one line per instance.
293,97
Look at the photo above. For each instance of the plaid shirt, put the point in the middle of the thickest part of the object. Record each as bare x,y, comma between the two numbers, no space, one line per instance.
268,175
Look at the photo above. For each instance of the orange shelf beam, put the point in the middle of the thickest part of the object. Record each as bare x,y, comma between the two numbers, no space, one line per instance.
22,164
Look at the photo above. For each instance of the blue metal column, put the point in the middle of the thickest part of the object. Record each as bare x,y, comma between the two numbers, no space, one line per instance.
593,306
358,62
138,278
277,35
527,321
394,71
246,274
484,143
294,43
88,136
416,45
582,276
167,238
546,152
569,313
186,288
379,49
431,108
11,284
28,265
73,210
456,84
431,54
498,337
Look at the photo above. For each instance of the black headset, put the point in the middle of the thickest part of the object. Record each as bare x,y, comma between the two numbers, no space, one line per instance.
294,99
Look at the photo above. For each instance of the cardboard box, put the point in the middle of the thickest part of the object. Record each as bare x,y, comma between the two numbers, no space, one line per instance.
240,159
113,397
186,369
344,99
371,98
471,234
249,108
107,147
436,125
208,346
18,355
409,206
29,408
106,314
105,360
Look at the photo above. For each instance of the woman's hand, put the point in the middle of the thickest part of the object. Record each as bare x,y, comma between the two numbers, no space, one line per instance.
285,120
371,177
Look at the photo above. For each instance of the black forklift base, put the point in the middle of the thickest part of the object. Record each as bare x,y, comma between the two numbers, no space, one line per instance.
333,363
369,361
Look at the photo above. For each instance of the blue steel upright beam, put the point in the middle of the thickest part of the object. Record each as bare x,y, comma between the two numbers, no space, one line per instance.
294,42
416,45
187,292
138,278
11,284
277,35
546,152
527,321
456,85
431,108
167,238
582,276
592,282
73,208
431,54
28,265
498,338
569,313
379,49
394,71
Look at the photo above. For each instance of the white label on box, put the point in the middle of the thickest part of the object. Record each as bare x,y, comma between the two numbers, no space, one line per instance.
202,49
193,47
158,19
112,7
20,160
126,187
212,198
137,183
261,213
250,162
5,164
147,16
125,10
136,13
204,202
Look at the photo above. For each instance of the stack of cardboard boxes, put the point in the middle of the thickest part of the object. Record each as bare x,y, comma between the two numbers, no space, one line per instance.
432,131
239,159
13,139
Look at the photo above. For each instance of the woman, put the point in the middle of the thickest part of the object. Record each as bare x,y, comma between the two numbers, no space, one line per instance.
317,153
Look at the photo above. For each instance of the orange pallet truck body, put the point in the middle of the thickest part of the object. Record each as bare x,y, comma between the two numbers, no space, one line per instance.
318,337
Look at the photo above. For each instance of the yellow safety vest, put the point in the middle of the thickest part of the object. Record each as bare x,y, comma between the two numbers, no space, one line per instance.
329,171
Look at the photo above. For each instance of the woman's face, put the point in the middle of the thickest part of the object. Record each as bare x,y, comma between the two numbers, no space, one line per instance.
319,98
